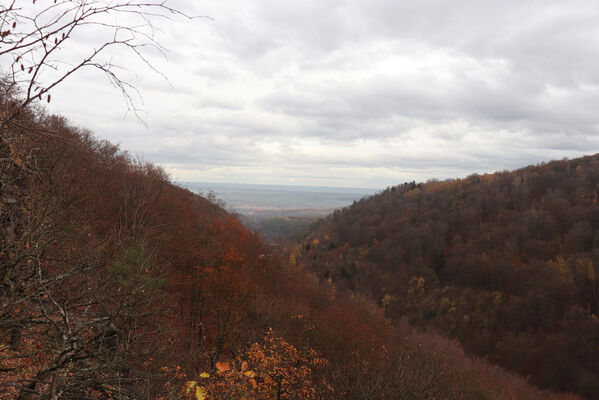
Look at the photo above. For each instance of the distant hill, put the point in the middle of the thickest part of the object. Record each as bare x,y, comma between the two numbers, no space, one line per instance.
506,263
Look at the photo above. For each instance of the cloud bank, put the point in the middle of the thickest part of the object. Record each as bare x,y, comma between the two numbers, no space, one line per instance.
354,93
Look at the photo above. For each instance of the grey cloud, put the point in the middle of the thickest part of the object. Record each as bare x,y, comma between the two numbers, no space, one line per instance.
385,89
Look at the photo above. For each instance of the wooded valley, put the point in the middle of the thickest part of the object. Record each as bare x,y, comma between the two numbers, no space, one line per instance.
117,284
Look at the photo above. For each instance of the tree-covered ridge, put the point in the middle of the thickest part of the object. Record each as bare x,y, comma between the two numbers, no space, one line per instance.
117,284
505,262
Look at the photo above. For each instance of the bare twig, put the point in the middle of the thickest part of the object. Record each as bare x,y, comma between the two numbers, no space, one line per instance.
33,40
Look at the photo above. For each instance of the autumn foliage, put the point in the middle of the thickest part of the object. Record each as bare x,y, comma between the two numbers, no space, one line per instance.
506,263
117,284
272,369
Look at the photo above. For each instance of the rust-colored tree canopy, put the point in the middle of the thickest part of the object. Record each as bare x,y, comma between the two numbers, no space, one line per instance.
117,284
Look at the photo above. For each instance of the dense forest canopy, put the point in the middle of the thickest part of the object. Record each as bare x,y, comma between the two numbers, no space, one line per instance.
117,284
504,262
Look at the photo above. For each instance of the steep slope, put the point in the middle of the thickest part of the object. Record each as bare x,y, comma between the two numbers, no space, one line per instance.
115,283
504,262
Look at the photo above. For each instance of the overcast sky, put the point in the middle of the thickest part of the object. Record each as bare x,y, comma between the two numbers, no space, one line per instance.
356,93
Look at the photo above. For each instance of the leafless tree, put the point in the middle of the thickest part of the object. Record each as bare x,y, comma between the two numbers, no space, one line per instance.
35,37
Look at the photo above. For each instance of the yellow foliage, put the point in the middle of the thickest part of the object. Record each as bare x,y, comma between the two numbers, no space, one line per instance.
193,387
445,303
564,270
297,253
387,300
416,284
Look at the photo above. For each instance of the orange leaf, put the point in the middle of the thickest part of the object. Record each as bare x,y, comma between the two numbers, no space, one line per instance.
222,366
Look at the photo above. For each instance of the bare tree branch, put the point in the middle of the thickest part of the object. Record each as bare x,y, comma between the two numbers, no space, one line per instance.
34,39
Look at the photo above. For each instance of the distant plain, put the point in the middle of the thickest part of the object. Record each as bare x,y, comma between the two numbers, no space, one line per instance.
270,201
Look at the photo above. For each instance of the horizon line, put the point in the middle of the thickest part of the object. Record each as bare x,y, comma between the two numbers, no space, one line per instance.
278,184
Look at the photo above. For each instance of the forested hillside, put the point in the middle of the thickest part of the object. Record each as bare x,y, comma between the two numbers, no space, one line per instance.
117,284
506,263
